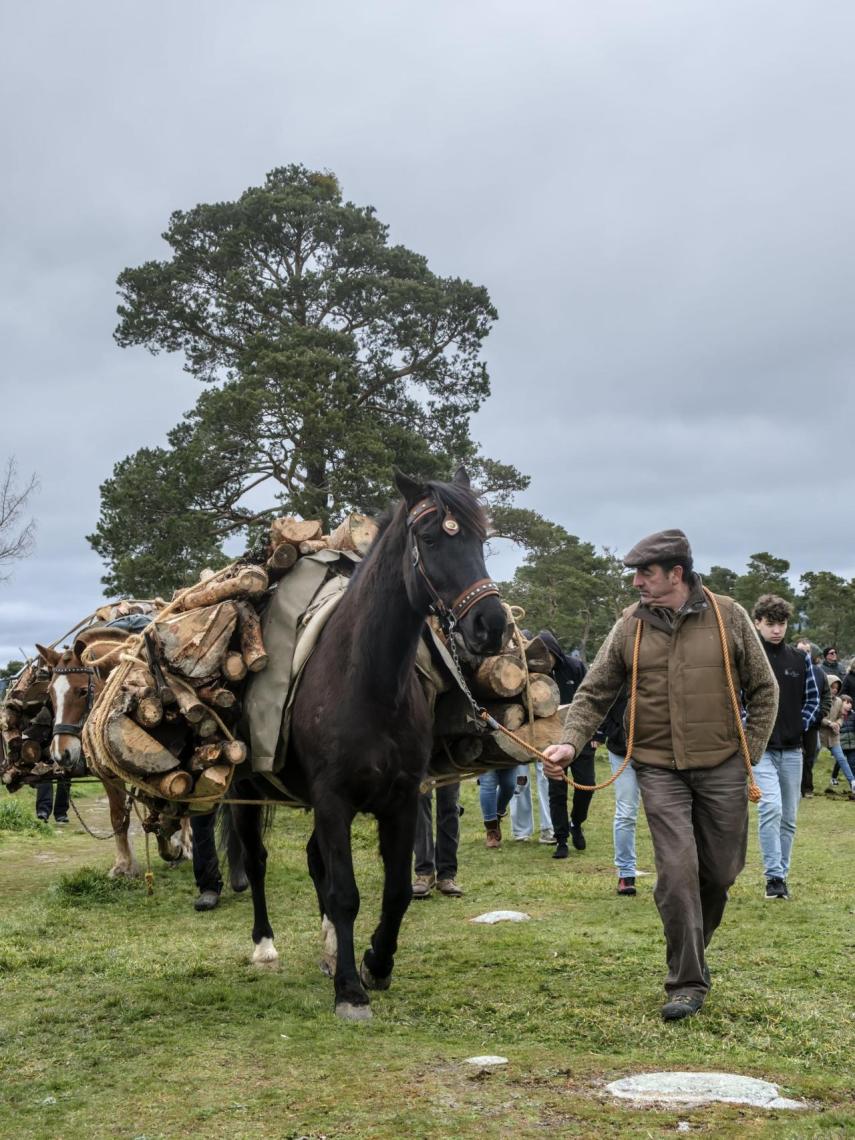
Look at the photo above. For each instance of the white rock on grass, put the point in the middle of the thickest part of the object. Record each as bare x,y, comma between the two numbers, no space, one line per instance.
485,1062
701,1088
502,916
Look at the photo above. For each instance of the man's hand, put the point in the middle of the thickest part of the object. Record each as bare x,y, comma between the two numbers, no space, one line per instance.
556,758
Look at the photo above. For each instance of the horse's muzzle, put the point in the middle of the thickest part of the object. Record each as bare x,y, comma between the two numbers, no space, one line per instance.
484,627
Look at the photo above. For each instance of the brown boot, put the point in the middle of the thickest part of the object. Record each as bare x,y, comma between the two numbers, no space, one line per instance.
494,833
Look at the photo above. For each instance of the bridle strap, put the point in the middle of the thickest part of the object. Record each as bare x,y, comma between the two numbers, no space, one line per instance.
449,616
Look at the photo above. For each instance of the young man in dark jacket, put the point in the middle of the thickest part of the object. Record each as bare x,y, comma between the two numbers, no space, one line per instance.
779,770
810,736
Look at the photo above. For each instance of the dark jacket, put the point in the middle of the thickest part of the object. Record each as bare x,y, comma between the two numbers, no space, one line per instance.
789,666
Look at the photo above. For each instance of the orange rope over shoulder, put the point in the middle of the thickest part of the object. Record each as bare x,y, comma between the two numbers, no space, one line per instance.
754,792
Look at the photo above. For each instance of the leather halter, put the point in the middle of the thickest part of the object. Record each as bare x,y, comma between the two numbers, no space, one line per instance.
75,729
449,615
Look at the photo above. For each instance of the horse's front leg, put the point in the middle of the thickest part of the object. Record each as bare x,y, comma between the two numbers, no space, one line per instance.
247,822
341,902
120,819
397,832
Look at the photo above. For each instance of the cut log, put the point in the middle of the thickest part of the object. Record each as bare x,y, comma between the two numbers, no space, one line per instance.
510,714
148,711
234,751
356,533
251,642
539,659
249,581
213,781
189,705
31,751
195,643
283,558
207,727
233,668
133,748
501,676
175,784
140,682
12,740
545,696
206,755
312,545
217,698
293,530
501,751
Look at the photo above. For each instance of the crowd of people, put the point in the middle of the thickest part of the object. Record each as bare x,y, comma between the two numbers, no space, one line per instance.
725,708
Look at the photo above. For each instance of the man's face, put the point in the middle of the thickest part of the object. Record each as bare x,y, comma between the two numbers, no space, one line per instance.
655,584
803,646
831,656
771,631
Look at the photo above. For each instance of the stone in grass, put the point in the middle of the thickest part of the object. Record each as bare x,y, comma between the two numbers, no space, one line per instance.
502,916
486,1061
701,1088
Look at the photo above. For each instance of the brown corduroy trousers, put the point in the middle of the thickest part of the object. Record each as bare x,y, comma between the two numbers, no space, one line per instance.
698,822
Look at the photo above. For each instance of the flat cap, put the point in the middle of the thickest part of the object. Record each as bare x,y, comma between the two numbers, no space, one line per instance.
659,547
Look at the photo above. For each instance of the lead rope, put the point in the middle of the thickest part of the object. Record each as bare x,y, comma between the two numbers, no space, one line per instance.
754,793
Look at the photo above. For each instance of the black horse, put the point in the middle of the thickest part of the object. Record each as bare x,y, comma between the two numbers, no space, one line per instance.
361,728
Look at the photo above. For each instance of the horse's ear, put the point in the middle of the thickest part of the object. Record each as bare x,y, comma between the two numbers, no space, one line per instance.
461,477
411,489
49,656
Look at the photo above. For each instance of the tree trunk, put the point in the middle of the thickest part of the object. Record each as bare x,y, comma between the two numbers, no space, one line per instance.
195,643
213,780
356,533
247,582
234,751
135,749
281,560
294,531
189,705
217,698
251,642
545,696
233,668
175,784
501,676
148,711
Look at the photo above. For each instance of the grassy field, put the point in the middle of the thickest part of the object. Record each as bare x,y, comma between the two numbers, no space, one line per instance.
127,1016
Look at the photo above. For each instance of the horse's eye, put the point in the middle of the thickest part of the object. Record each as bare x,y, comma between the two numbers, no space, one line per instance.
82,691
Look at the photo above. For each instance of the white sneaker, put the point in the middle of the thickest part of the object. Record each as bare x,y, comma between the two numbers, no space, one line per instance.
547,836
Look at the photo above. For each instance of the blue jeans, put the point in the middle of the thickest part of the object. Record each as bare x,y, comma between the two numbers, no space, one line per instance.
779,777
522,822
496,788
840,757
626,815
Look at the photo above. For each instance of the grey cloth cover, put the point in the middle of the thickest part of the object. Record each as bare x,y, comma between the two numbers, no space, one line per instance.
269,692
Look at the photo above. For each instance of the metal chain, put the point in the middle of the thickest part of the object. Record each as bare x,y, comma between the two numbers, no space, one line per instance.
88,829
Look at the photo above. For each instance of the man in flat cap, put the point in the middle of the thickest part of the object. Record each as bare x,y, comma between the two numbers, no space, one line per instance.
686,752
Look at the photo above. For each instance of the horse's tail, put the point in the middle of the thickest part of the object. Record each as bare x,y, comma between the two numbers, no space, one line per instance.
229,841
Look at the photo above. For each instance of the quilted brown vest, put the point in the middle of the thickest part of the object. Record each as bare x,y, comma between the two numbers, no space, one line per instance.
684,715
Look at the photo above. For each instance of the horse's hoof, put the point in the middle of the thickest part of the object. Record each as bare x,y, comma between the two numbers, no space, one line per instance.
347,1011
123,873
370,981
265,953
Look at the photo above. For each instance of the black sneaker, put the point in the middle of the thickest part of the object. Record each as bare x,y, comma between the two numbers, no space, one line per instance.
626,885
578,839
61,818
561,851
680,1006
207,900
776,888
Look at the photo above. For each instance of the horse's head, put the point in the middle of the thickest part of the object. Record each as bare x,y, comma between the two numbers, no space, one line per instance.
444,561
74,684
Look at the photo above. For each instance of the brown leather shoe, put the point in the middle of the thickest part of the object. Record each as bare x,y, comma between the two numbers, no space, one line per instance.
493,837
423,885
449,887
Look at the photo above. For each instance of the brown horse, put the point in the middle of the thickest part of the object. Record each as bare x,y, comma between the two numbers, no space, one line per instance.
74,685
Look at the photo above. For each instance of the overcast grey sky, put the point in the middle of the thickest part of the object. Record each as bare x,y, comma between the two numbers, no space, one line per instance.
659,196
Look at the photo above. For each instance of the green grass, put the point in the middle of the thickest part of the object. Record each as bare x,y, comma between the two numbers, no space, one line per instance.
128,1016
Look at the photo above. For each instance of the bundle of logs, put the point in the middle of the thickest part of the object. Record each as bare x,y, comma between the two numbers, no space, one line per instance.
517,690
173,715
26,726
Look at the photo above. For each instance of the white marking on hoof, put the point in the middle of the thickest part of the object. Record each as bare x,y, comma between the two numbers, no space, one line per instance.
264,953
347,1011
329,956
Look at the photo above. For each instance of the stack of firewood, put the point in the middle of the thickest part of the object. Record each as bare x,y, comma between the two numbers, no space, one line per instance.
171,720
517,691
26,724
